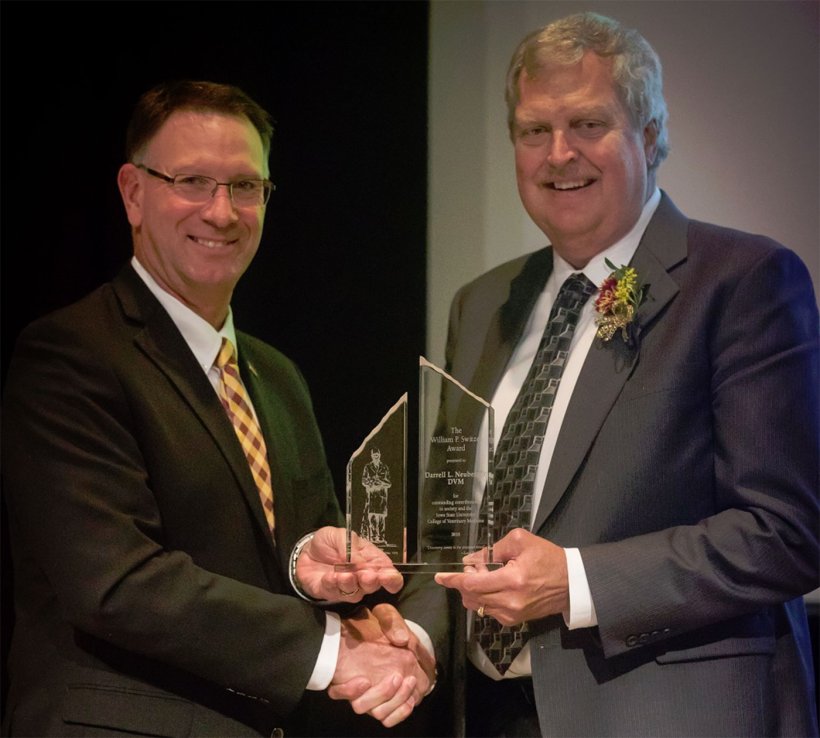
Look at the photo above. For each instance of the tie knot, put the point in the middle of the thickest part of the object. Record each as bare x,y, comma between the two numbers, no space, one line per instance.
579,286
571,297
226,356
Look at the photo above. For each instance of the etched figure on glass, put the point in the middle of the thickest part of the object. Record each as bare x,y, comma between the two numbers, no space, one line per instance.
376,482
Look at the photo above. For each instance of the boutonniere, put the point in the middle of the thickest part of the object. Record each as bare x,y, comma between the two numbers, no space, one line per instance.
619,299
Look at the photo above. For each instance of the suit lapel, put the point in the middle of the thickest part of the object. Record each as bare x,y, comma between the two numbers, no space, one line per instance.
161,341
609,365
508,322
503,333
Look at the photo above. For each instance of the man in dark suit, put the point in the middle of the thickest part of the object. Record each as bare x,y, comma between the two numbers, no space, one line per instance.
656,584
172,517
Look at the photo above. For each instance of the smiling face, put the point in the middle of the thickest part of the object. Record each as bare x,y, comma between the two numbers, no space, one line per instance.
196,252
581,165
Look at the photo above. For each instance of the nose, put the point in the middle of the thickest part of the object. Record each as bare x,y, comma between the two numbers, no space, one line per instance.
220,209
560,152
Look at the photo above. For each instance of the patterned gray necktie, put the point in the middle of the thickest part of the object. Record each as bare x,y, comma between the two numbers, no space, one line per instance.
519,451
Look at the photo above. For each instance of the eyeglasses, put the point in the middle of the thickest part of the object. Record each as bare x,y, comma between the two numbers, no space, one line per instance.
197,188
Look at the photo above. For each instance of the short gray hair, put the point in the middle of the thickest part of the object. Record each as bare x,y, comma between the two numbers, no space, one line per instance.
636,68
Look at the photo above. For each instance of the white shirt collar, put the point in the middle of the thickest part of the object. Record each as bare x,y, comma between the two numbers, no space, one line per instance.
202,338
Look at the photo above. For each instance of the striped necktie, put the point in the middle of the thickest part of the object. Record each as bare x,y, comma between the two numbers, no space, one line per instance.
519,452
235,401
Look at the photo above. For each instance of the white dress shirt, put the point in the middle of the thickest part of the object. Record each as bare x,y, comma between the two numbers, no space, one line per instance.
582,609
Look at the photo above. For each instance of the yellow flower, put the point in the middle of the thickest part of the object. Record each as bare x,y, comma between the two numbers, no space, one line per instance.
620,296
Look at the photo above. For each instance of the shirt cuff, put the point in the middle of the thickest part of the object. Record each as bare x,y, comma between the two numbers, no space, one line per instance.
427,643
422,635
581,608
328,654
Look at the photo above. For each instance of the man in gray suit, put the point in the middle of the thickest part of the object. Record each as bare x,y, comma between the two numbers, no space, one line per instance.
655,584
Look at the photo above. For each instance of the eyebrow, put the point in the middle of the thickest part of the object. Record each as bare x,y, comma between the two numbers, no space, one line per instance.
189,167
597,111
199,171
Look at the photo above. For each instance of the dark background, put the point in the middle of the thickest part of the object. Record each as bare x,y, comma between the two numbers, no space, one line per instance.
338,283
339,280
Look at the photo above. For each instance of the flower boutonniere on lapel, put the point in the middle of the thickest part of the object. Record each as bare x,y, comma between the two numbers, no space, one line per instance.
621,294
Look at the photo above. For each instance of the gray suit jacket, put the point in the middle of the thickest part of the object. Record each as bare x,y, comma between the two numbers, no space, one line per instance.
686,471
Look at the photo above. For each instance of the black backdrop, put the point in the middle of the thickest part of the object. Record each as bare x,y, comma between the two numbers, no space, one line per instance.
339,280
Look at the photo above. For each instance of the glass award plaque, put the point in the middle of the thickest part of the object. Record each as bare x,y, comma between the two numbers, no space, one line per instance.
376,484
455,467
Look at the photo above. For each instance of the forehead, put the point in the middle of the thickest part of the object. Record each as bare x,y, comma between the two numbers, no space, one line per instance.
588,83
190,136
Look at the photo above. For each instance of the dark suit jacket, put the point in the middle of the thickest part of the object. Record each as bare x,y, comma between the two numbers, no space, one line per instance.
150,597
686,471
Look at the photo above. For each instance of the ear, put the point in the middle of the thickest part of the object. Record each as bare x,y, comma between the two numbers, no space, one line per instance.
650,142
131,190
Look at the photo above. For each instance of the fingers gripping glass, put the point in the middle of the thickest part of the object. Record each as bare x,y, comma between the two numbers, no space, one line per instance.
197,188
